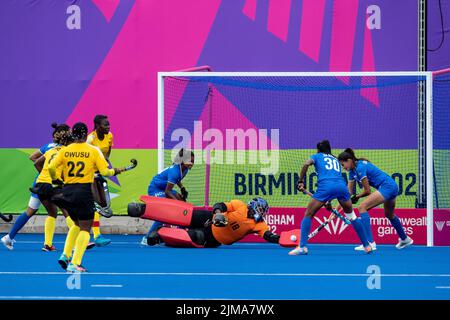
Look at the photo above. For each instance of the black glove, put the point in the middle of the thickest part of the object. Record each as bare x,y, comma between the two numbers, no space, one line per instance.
354,199
271,237
300,185
220,220
184,193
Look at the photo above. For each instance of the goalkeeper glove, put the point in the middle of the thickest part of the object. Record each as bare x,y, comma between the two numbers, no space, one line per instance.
220,220
184,193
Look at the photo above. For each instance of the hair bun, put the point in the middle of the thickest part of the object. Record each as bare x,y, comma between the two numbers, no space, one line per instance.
350,150
54,125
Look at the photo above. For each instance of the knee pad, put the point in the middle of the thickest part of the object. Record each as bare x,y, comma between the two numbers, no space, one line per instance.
34,203
351,216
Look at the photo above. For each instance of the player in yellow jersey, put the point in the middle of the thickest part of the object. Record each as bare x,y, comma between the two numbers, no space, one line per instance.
46,188
102,138
60,133
79,162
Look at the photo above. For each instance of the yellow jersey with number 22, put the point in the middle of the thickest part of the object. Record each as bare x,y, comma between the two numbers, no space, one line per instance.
80,161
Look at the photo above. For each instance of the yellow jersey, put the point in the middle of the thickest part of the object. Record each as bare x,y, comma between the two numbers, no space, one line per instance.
44,175
80,161
104,145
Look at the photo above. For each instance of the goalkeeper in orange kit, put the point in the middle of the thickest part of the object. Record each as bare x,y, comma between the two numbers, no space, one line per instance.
226,224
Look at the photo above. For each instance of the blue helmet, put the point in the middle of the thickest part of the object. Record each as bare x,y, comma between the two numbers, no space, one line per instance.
259,207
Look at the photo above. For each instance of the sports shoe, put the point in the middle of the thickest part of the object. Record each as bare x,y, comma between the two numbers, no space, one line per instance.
368,249
361,247
48,248
8,242
144,241
101,241
404,243
75,268
63,261
299,251
90,245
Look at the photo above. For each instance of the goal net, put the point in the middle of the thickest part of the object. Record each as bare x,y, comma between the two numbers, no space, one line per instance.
251,132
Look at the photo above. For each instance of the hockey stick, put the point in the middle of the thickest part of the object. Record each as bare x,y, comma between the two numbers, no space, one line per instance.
131,166
6,218
340,216
106,211
316,231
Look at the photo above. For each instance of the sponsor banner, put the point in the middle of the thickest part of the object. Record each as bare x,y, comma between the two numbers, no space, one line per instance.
240,175
442,227
414,221
124,188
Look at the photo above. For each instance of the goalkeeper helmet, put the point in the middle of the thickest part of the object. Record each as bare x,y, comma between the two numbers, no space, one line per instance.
259,208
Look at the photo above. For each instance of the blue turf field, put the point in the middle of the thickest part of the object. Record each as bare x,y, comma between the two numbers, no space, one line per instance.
126,270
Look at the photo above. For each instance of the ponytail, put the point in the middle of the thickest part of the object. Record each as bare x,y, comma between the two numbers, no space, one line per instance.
349,154
59,131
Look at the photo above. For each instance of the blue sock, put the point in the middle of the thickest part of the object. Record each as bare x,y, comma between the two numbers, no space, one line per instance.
397,224
365,219
305,230
20,222
155,225
359,228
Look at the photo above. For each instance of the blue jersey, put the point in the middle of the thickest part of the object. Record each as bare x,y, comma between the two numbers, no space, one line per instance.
327,167
374,175
170,174
47,147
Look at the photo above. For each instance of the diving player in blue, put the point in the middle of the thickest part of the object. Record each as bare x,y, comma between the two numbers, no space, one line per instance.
330,185
369,175
162,186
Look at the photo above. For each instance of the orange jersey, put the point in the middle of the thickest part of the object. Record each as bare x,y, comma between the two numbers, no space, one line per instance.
239,225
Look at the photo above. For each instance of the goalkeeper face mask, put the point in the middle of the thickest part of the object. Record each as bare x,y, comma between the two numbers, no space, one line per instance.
258,208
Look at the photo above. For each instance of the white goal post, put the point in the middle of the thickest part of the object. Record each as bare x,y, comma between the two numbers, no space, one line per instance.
428,134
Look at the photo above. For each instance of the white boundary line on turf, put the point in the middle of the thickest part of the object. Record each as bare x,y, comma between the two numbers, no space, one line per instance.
269,245
110,298
106,286
220,274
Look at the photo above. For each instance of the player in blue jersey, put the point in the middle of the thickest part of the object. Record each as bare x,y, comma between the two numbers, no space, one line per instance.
367,174
162,186
60,133
330,185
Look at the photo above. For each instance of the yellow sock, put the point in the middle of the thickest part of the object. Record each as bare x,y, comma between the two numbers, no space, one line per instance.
49,227
69,222
70,240
80,247
96,225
